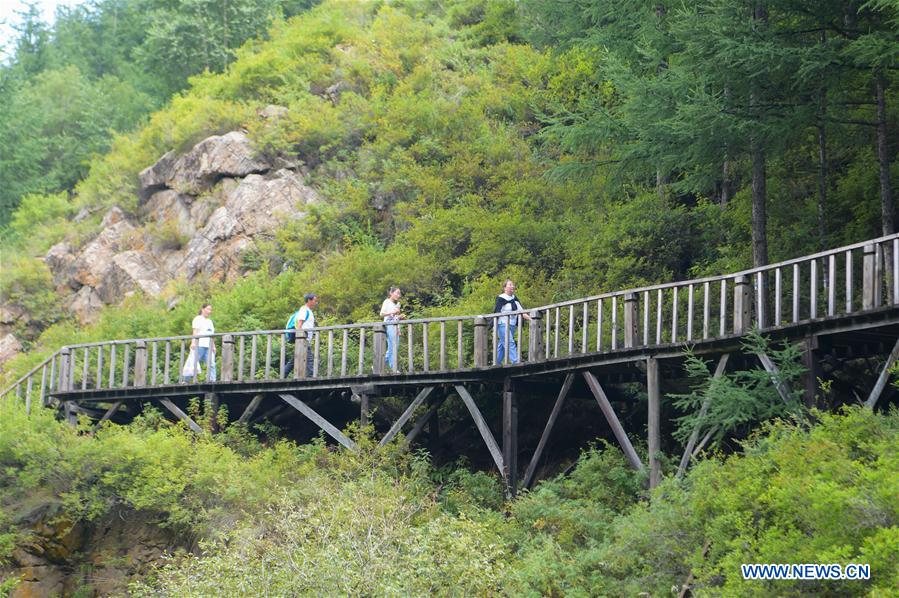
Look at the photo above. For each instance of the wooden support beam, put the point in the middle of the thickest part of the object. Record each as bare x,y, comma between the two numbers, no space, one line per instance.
251,408
71,412
694,435
550,424
772,370
181,415
211,402
616,426
396,427
363,410
431,414
270,414
812,370
483,428
318,420
510,438
883,378
653,429
109,413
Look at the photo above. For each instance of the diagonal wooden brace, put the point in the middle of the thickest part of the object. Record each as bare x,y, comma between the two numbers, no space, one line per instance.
550,424
483,428
318,420
396,427
616,426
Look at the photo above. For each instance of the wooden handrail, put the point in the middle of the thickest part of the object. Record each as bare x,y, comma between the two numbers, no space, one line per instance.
790,291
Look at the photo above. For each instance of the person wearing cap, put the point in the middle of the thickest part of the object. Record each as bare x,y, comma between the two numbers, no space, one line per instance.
305,320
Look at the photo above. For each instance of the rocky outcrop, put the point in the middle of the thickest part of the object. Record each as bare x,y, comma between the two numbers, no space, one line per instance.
198,214
254,208
60,558
215,157
9,347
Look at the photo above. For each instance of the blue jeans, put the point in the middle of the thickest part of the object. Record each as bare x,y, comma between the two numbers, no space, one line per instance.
202,355
501,342
393,333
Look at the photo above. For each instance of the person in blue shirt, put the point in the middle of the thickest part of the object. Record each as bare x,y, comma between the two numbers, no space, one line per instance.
305,320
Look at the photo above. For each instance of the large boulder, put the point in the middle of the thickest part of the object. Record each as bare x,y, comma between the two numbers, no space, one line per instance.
155,178
214,158
9,347
129,272
91,264
256,207
60,260
85,304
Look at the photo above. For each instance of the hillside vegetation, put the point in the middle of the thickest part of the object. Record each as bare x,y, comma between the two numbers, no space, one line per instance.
575,147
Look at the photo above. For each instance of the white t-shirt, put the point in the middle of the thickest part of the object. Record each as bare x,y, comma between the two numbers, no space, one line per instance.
305,314
203,325
388,307
509,307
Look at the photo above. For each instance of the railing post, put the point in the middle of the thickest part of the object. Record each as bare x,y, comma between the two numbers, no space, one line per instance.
299,354
480,342
228,358
380,349
868,274
140,363
741,304
63,374
630,320
535,337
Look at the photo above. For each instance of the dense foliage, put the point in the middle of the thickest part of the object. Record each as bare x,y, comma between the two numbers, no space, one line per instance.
287,519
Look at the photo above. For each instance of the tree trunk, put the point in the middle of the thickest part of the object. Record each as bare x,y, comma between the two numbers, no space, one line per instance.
759,176
822,168
759,214
883,157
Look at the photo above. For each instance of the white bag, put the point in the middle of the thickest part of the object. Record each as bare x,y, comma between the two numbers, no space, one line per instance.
188,370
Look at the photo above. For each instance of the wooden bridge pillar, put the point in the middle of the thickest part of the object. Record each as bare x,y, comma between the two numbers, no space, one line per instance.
742,300
380,349
480,342
535,337
653,419
227,358
630,320
510,438
870,298
64,367
299,354
140,363
812,370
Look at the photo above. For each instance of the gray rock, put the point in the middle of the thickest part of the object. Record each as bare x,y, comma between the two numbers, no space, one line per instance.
273,112
171,206
85,304
91,264
59,260
9,347
156,177
216,157
129,272
256,207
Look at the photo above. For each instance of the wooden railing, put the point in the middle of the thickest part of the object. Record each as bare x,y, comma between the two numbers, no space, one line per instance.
831,283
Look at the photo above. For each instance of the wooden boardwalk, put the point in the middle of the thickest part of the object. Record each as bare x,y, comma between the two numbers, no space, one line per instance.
844,301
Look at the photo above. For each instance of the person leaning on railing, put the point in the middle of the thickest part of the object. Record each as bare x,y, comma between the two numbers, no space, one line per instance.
391,312
507,302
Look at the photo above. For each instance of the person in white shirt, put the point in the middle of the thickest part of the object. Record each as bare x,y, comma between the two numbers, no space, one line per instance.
507,302
305,320
391,312
204,346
